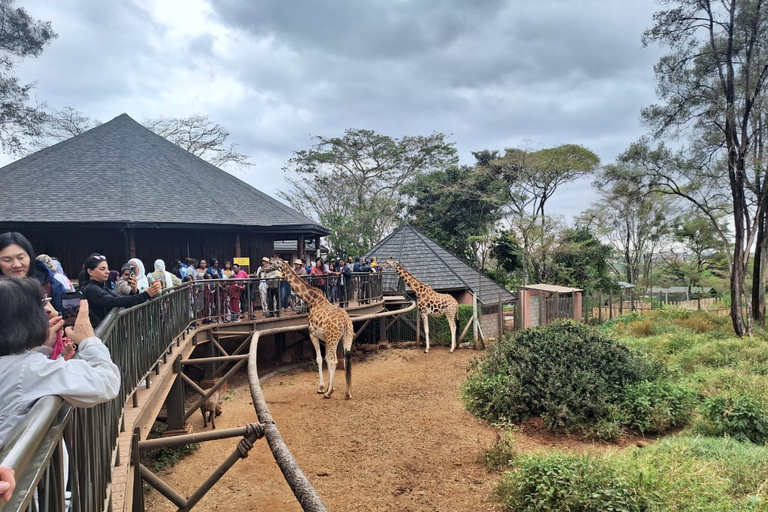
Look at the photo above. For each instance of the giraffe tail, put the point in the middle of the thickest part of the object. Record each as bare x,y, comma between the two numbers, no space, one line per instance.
348,367
458,325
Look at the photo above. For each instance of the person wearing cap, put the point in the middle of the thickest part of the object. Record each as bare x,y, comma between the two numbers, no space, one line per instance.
299,268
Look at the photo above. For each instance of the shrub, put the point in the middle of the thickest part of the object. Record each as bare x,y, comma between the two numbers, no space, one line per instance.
739,416
568,373
653,407
566,482
499,456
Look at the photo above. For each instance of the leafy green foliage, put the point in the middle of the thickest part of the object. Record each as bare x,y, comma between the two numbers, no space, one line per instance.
453,205
685,474
571,375
567,482
654,407
740,416
581,261
354,184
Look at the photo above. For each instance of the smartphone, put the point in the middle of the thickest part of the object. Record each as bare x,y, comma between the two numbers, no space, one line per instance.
133,270
70,305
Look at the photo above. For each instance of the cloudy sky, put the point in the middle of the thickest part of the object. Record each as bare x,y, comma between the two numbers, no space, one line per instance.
492,73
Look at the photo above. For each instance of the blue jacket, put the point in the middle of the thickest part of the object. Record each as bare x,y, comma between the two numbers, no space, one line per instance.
45,276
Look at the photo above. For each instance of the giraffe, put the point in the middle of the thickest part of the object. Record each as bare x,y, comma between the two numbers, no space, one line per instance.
326,322
430,302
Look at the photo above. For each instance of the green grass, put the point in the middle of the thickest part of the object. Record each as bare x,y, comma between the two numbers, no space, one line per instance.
718,459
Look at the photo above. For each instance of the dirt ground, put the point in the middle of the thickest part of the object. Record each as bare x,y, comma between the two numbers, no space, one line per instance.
404,442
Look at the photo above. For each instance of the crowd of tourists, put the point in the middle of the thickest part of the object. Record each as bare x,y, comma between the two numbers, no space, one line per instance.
44,350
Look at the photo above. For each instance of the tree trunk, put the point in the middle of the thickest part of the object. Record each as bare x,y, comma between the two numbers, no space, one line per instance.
758,282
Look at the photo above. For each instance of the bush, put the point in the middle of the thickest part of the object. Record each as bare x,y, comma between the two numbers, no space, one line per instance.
568,373
566,482
739,416
643,327
653,407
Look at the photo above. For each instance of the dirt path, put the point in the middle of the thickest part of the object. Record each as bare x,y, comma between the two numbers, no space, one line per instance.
403,443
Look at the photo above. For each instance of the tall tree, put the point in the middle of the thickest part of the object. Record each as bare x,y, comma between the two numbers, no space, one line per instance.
581,261
201,137
531,178
696,257
709,86
354,184
20,37
456,207
629,218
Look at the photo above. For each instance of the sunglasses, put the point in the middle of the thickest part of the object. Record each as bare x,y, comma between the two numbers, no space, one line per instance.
45,299
99,257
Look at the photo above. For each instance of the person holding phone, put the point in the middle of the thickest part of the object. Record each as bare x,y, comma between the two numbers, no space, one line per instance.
26,371
127,284
100,298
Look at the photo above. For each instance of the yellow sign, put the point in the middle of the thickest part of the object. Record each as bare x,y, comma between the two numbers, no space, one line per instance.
243,261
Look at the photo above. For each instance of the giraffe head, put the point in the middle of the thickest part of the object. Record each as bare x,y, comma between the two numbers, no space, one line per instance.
389,263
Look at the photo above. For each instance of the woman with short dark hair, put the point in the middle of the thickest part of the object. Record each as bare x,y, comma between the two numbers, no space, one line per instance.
17,258
26,371
100,298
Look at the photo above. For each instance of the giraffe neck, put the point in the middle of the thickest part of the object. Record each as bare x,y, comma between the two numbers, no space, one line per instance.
419,288
311,296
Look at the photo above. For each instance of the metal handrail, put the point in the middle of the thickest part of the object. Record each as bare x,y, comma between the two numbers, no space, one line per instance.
137,338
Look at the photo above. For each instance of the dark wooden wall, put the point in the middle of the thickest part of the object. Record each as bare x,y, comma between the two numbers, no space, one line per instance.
72,246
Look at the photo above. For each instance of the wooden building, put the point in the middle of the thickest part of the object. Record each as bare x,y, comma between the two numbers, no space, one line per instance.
123,191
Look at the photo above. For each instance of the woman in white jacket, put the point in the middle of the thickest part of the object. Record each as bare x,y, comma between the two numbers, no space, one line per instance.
26,371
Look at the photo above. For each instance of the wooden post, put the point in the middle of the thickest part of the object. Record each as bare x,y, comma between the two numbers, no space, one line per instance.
501,319
238,249
300,247
474,317
174,402
621,301
610,305
131,244
600,306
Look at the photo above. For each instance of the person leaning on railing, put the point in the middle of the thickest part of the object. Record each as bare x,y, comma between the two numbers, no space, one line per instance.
26,371
101,299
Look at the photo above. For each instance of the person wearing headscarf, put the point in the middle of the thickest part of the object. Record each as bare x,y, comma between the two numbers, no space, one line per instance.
160,274
58,272
141,278
17,258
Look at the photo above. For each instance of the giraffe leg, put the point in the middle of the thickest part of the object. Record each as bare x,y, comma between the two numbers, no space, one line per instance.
331,361
349,337
319,357
425,322
452,324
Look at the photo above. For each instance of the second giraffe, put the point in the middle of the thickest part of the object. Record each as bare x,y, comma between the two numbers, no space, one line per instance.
430,303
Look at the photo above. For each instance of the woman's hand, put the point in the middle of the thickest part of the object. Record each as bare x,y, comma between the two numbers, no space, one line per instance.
7,482
55,324
134,284
82,328
154,288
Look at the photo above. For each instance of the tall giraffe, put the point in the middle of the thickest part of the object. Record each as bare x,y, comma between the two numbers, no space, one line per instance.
326,322
430,303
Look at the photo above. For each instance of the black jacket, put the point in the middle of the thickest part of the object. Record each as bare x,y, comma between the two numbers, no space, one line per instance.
101,300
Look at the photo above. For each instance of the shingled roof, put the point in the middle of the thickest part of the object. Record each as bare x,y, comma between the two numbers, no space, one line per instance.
435,266
122,174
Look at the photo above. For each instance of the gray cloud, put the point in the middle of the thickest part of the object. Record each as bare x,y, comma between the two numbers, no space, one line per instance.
492,73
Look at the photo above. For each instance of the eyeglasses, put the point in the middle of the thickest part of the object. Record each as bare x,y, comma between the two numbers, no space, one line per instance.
45,299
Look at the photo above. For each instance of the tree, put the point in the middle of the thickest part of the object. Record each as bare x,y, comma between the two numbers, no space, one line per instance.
454,207
201,137
531,178
354,184
581,261
20,37
709,86
696,257
630,218
59,125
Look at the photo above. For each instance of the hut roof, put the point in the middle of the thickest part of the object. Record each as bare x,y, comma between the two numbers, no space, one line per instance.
435,266
122,174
